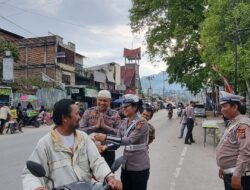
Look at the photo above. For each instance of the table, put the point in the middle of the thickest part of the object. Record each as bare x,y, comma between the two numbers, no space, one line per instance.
209,124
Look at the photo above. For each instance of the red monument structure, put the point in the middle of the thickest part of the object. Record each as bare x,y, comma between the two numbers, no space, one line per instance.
130,71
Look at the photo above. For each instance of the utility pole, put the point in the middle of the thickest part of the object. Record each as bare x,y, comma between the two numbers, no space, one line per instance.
149,78
163,83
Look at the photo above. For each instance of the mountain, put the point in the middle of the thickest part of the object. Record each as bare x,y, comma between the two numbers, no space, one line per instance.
160,81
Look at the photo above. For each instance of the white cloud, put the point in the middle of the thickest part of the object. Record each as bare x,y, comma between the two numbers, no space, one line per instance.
46,7
99,28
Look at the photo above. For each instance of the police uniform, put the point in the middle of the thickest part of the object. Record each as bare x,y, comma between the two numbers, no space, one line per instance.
134,136
233,151
111,120
190,124
151,136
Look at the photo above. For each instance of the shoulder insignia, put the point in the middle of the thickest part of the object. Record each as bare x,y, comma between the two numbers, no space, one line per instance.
140,124
92,113
241,132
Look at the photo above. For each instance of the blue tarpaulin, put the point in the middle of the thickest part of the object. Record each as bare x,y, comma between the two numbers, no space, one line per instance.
118,101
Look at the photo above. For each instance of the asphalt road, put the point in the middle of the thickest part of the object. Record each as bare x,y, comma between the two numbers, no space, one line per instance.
174,166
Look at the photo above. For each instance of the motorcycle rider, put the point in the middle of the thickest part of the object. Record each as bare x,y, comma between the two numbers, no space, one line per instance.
4,114
170,111
67,155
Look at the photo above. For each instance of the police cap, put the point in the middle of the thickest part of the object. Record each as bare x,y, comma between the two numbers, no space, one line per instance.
129,99
229,98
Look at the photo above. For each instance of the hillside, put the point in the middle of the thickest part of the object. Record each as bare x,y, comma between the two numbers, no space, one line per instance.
157,83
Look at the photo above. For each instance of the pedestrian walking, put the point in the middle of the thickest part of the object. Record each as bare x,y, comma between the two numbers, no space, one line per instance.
133,134
233,151
4,115
190,123
67,155
183,122
102,119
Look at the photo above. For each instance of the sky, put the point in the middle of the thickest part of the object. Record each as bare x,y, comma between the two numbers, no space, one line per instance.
99,28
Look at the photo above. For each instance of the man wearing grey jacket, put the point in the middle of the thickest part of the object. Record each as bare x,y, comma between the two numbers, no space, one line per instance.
67,155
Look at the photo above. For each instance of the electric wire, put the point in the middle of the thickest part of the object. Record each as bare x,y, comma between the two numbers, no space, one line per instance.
24,29
42,15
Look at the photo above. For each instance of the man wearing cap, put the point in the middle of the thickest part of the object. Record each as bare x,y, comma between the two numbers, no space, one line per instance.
233,151
101,119
190,123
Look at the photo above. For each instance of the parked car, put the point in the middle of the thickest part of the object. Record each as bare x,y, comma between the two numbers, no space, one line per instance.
199,110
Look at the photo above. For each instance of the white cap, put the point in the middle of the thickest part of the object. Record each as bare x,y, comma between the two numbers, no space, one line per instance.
104,94
130,98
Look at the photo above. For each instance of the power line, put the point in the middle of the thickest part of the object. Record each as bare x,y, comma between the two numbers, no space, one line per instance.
57,19
22,10
18,26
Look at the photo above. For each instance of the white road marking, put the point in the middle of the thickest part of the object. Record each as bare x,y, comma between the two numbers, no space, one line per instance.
172,185
184,151
178,168
177,172
181,161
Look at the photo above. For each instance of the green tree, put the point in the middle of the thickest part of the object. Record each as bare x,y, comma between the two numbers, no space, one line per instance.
172,33
217,39
5,45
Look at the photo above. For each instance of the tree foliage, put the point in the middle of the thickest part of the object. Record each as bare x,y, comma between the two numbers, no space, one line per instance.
191,36
172,33
5,45
223,18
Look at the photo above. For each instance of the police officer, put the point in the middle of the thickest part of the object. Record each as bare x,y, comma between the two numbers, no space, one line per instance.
190,120
101,119
233,151
133,134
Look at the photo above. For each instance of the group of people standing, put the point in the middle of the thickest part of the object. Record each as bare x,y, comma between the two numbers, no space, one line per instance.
75,153
233,150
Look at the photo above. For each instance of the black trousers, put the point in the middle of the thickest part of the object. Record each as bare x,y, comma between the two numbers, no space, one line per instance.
190,126
245,182
2,125
134,180
109,157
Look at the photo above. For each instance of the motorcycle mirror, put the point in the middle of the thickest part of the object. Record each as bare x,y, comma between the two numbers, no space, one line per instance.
116,165
35,168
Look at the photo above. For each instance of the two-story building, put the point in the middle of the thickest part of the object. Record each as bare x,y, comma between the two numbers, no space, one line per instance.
108,76
39,56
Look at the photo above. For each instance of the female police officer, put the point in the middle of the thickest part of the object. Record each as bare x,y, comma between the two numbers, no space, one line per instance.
133,134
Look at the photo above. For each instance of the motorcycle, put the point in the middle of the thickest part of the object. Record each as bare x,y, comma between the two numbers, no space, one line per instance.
11,126
30,118
38,171
179,111
170,113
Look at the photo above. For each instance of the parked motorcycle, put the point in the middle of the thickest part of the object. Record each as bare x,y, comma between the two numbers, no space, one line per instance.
30,118
38,171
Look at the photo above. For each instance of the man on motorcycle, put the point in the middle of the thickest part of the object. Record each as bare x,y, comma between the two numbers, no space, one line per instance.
170,111
67,155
